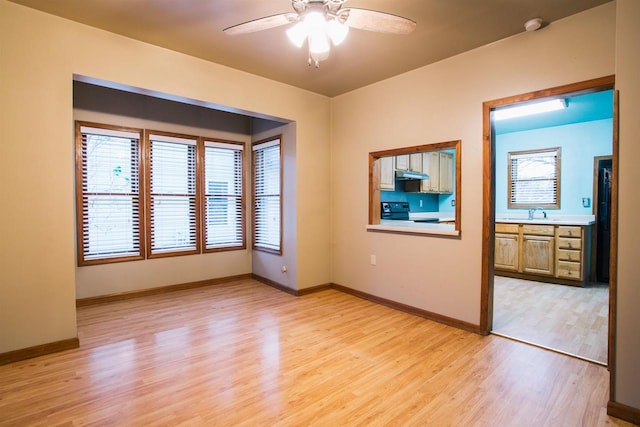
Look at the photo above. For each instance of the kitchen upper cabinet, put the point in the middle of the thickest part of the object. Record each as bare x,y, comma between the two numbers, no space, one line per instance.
439,166
402,162
387,174
415,162
409,162
446,172
431,166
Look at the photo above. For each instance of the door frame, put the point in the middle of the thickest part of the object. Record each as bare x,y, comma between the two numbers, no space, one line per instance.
488,199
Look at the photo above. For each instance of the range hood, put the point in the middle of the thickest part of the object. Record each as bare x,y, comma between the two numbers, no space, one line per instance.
406,175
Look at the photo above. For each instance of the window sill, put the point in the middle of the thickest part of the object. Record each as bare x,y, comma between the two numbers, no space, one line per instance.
410,227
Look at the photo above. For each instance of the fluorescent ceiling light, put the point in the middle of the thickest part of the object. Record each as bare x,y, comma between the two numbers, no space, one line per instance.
529,109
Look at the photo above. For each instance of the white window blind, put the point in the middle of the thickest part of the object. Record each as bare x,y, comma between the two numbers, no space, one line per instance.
266,197
534,179
224,196
108,194
172,194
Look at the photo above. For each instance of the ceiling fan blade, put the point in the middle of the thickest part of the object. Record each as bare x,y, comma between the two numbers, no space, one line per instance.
262,23
381,22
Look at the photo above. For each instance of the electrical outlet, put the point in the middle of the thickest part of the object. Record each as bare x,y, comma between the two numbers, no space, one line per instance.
453,202
586,202
373,260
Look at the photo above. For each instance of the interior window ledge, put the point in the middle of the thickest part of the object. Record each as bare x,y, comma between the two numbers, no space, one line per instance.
442,230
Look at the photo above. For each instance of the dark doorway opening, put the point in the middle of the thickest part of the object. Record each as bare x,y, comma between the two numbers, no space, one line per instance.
603,218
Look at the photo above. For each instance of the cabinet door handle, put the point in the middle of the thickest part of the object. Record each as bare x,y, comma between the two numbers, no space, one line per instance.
569,244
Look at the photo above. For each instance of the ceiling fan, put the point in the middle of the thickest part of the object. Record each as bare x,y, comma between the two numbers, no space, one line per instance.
321,21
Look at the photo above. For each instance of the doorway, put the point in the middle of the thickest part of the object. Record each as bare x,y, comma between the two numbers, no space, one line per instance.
489,203
603,173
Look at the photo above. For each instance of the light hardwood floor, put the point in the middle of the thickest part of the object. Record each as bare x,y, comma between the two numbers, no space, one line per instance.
566,318
243,353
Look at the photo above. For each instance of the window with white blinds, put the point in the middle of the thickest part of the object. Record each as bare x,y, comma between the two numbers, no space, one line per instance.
108,193
173,206
534,179
267,202
223,196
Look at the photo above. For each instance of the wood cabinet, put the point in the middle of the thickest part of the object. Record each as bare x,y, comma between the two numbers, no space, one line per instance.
439,166
409,162
538,248
415,162
446,172
570,259
387,173
507,251
552,253
431,166
402,162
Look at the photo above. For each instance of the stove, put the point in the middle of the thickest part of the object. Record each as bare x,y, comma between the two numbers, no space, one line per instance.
395,210
400,211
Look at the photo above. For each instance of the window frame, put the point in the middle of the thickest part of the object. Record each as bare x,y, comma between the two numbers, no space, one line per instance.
543,152
257,146
167,137
236,146
81,206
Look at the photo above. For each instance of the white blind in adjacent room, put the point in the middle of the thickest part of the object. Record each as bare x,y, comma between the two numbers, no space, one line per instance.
534,178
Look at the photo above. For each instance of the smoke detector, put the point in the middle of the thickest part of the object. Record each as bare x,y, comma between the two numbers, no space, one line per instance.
533,24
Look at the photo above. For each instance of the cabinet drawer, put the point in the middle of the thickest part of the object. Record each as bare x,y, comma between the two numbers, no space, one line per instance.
569,243
569,270
569,231
502,227
569,255
540,230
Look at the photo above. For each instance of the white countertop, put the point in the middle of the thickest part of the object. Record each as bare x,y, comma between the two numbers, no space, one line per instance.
436,227
442,216
550,219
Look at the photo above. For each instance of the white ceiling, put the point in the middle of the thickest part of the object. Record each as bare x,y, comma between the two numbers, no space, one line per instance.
444,28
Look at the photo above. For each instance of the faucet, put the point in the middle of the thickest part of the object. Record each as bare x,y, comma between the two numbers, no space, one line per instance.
533,210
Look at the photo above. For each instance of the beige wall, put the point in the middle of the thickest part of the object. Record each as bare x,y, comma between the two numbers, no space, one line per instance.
627,378
443,102
266,264
39,56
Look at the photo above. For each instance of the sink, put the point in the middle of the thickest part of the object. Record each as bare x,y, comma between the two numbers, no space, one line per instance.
559,220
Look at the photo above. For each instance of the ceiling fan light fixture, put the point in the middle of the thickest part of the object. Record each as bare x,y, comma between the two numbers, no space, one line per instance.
324,22
315,22
319,45
337,31
297,34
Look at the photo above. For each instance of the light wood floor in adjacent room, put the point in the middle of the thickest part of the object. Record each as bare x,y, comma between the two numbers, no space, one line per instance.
246,354
566,318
